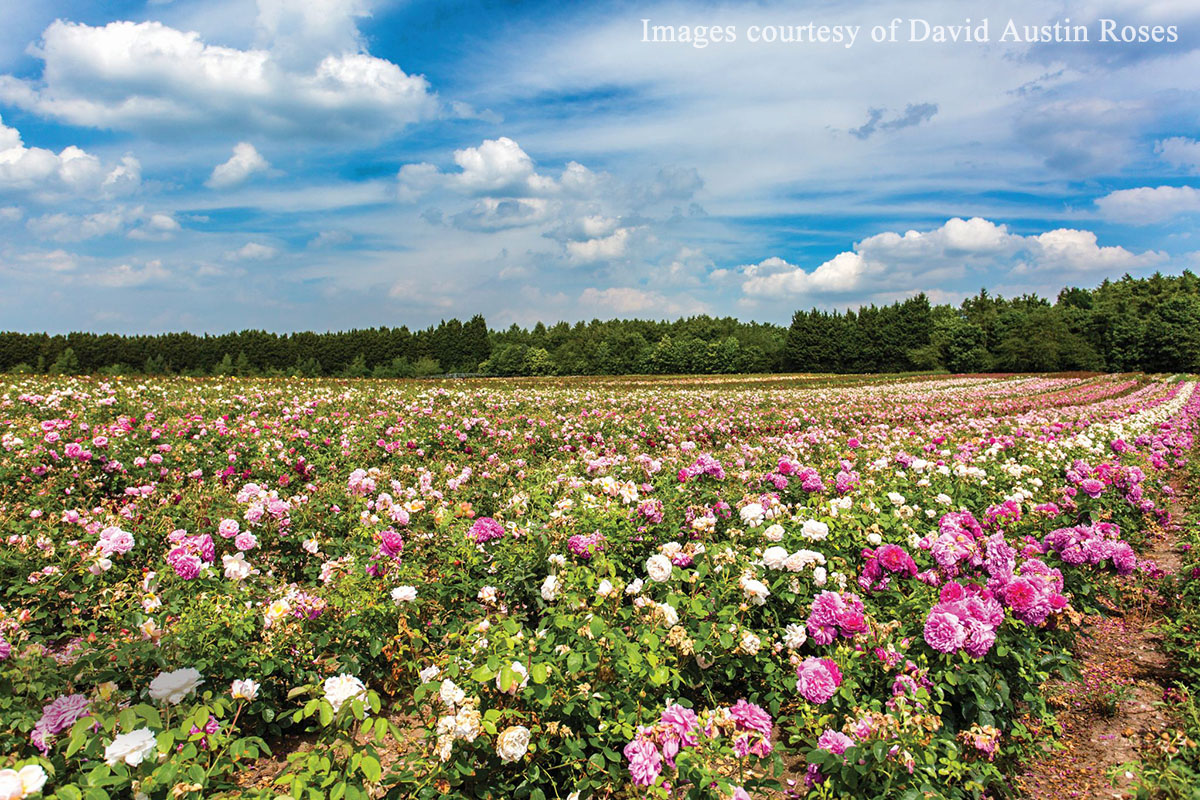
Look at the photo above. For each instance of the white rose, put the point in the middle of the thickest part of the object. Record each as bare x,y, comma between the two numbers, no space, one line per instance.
341,688
896,498
750,643
670,615
752,514
634,586
819,576
428,674
130,747
174,686
11,787
814,530
450,693
658,567
245,689
874,539
794,636
756,591
775,557
774,533
943,499
605,589
404,594
237,568
550,588
512,743
33,778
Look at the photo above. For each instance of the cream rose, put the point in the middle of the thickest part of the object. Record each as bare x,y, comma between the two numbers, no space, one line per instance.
341,688
176,685
512,743
132,747
658,567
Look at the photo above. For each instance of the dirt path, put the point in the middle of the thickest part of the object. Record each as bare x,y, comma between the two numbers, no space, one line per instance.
1114,707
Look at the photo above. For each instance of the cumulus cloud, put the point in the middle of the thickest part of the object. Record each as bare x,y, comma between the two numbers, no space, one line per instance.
1179,151
918,257
1146,205
72,170
499,165
146,77
244,162
496,168
156,228
253,251
296,33
603,248
1070,250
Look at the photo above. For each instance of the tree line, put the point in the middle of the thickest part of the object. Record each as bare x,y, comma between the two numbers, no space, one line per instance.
1145,324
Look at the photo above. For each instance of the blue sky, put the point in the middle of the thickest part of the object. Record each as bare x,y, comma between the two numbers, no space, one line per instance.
224,164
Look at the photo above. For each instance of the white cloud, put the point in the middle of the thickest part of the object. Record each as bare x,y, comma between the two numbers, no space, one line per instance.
920,258
72,170
296,32
253,251
415,180
126,276
496,168
499,165
1180,152
70,228
157,228
601,249
1070,250
146,76
627,300
11,214
63,227
244,162
1146,205
59,261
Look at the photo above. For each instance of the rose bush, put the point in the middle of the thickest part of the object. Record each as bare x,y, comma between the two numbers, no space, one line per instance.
526,589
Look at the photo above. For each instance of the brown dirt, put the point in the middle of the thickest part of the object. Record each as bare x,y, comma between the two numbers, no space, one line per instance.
1116,705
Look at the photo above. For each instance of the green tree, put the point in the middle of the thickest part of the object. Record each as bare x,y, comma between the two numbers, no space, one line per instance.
67,363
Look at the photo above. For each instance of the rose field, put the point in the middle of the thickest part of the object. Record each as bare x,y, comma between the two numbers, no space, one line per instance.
733,587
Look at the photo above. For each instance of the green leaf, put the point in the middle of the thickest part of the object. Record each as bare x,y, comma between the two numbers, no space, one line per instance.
508,678
371,769
538,673
574,662
483,674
